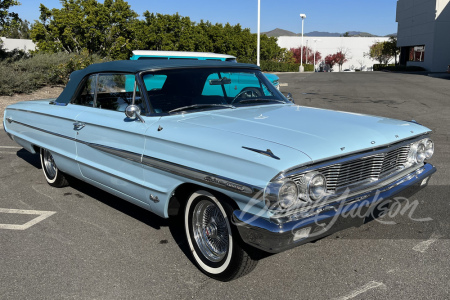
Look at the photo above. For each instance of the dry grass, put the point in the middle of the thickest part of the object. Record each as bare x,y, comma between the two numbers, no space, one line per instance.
43,93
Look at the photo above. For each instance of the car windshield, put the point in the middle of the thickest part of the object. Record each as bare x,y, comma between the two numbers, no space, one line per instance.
186,90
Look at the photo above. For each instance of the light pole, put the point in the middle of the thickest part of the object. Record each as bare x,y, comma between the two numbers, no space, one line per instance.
306,52
315,41
259,34
303,16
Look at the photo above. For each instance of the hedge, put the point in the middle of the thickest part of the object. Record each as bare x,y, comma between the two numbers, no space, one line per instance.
394,68
28,74
273,66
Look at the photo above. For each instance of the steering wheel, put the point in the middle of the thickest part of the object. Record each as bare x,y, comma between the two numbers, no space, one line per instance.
248,92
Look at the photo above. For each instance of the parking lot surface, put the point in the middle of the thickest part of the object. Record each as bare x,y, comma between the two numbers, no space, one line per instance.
79,242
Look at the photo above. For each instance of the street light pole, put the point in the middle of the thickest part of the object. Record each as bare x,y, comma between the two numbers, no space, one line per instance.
306,52
259,34
303,16
315,40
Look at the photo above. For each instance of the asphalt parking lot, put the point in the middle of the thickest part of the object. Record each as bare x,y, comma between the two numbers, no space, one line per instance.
88,244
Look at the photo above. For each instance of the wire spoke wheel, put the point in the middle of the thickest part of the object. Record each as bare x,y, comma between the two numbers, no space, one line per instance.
210,231
213,240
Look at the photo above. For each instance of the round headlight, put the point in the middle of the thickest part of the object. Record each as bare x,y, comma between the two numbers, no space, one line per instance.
429,149
420,153
287,195
317,186
313,186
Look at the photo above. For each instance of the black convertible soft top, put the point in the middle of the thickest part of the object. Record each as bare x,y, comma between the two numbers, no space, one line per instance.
136,66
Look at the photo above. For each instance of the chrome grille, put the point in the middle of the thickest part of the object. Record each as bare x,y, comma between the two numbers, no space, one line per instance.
369,168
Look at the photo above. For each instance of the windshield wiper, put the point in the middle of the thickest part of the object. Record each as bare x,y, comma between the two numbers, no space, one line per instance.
196,106
260,100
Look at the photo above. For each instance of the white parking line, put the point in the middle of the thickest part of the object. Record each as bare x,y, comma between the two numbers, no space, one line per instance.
10,147
363,289
42,215
423,246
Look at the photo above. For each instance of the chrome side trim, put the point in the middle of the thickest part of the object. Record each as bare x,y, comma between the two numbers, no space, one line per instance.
43,114
128,155
173,168
45,131
201,176
180,170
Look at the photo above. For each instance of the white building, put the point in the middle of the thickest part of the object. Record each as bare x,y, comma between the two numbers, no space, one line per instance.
21,44
355,47
424,33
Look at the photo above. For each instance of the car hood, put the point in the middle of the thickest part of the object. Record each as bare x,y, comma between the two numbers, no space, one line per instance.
318,133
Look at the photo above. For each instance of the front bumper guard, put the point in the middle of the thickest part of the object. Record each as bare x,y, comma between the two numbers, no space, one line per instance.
273,237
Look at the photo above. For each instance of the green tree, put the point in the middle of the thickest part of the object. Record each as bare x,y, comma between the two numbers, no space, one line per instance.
166,32
106,28
18,29
379,52
7,17
113,29
390,48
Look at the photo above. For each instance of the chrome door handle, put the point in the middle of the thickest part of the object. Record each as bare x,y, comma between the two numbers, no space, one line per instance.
78,125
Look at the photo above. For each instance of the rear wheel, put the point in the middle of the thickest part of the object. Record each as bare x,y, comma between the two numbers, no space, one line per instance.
213,240
52,174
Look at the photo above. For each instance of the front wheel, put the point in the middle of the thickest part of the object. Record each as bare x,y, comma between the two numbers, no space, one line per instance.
52,174
212,240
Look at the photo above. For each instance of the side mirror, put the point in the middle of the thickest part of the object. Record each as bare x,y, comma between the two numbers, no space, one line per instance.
290,98
133,112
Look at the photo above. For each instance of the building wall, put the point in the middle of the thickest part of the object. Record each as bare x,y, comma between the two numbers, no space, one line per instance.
441,54
21,44
426,22
356,47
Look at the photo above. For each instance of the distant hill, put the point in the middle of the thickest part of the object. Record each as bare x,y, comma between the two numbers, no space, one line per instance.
321,33
281,32
360,34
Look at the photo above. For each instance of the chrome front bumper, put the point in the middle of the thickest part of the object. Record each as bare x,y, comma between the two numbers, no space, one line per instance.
274,237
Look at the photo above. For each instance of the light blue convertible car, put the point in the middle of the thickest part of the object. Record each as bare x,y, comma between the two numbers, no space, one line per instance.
245,169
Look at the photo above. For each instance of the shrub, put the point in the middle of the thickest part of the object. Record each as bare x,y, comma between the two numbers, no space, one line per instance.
27,74
273,66
379,67
309,68
395,68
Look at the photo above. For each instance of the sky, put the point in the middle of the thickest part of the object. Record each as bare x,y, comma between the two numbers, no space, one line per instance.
373,16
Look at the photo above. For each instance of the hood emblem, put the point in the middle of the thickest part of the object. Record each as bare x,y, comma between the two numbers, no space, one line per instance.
343,148
268,152
261,117
372,142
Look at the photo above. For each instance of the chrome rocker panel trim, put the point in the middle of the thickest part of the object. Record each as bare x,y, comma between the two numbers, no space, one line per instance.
273,237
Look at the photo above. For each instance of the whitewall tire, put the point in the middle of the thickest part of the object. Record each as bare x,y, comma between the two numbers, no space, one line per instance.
211,238
52,174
